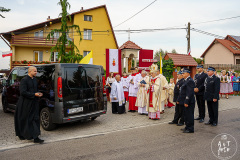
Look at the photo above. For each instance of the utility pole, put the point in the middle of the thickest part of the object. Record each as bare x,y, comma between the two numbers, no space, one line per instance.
129,34
188,37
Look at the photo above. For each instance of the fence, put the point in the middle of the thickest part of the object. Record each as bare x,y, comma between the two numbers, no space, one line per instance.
236,67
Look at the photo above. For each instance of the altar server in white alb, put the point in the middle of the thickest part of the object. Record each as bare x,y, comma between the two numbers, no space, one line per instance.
141,101
125,83
170,90
117,96
133,89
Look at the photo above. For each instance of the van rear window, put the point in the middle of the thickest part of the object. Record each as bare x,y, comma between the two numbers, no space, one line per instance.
82,77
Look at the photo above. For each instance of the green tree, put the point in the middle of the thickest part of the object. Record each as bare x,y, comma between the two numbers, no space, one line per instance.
157,53
168,68
198,60
73,55
174,51
2,9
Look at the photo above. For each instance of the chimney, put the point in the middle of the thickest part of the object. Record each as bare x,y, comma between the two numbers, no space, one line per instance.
48,18
81,8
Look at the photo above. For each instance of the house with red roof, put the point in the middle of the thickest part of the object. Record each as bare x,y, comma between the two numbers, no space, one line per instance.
223,51
182,61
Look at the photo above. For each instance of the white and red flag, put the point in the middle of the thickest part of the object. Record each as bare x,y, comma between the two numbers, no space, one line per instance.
7,53
189,52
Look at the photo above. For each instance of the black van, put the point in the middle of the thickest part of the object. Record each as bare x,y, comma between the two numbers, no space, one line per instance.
71,92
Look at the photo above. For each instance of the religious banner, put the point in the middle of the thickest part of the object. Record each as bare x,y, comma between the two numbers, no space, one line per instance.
113,61
145,59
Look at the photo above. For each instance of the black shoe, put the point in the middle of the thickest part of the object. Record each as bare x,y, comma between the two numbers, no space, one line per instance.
201,120
115,113
214,124
130,111
183,129
180,124
38,140
21,138
208,123
197,118
187,131
172,122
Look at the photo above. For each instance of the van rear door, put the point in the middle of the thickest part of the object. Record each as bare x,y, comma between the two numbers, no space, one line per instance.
82,89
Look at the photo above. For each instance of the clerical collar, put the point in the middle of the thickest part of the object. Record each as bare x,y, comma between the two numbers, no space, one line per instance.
186,78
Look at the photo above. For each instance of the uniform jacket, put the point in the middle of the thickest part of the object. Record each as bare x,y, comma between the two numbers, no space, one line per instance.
212,88
177,89
186,94
199,80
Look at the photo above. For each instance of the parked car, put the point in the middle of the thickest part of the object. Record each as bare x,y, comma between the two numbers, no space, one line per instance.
71,92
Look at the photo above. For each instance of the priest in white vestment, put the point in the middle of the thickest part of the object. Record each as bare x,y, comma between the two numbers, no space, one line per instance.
117,96
164,87
133,89
142,95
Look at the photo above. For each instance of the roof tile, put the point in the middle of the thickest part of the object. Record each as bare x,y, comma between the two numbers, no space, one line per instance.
130,45
182,59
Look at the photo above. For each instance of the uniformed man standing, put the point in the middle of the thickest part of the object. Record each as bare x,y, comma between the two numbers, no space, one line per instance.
186,98
199,80
211,95
179,109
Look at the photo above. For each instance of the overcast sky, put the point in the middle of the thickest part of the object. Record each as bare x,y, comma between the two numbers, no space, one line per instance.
161,14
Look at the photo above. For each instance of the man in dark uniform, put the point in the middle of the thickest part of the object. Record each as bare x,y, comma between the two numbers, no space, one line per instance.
211,95
186,98
199,80
26,118
179,109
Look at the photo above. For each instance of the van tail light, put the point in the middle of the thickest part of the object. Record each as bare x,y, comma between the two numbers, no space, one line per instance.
59,87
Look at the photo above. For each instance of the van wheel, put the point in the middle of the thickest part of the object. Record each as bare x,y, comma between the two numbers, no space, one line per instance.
5,105
46,120
93,118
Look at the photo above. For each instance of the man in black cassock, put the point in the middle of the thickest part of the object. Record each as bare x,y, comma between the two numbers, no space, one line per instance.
26,118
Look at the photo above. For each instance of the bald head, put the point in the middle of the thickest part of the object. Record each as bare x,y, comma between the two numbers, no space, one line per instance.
32,71
118,77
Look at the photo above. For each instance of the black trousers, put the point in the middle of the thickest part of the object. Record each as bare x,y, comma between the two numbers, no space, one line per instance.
213,111
179,114
189,117
118,109
201,106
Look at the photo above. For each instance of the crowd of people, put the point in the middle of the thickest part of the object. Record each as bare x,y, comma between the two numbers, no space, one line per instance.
148,93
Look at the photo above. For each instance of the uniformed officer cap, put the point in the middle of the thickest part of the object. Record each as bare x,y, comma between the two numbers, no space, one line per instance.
179,72
200,66
211,69
186,70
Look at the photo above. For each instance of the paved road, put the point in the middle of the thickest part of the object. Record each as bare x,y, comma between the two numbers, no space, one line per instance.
105,124
159,141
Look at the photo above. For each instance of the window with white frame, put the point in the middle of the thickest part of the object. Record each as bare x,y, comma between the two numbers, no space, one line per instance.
56,35
88,18
54,57
85,53
87,34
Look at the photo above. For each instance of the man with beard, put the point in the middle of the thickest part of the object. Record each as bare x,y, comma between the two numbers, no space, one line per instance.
26,118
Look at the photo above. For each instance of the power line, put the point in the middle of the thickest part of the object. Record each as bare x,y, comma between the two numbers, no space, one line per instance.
206,33
136,13
216,20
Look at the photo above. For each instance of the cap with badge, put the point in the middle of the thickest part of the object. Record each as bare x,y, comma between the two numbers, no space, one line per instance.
199,66
179,72
186,70
211,69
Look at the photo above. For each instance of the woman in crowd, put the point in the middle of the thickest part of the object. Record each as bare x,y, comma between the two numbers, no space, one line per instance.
236,84
225,85
110,80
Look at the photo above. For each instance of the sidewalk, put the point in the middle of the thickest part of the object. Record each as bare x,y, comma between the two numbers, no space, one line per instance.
104,124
